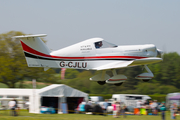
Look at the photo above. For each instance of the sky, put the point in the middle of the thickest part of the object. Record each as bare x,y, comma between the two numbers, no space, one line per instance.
122,22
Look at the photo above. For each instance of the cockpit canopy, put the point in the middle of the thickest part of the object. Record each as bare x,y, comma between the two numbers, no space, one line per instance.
104,44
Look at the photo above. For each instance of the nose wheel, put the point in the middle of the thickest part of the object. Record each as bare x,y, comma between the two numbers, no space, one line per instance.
118,84
101,82
146,80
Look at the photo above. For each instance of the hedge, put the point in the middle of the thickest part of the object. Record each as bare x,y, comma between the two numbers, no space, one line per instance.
159,98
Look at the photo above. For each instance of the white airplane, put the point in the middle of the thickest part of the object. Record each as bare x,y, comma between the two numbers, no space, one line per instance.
91,54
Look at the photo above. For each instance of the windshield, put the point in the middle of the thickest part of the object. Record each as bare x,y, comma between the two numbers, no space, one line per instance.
104,44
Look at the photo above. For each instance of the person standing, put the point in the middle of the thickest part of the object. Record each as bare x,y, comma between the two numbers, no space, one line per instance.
114,110
163,109
12,104
172,109
16,107
123,109
138,105
146,104
155,107
105,105
150,106
118,109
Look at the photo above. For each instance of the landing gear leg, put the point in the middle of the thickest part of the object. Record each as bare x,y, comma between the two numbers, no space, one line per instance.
114,72
102,77
148,70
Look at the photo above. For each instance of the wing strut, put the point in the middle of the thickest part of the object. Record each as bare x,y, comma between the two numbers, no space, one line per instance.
148,70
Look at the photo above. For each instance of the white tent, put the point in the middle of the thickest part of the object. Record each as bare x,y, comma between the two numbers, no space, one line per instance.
169,102
22,95
56,90
60,91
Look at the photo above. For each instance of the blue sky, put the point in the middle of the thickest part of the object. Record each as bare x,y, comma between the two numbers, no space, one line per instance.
122,22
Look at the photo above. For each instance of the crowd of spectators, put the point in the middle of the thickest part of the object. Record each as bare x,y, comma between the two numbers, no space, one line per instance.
91,107
118,109
151,107
154,107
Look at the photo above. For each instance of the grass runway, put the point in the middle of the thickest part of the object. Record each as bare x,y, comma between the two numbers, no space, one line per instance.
24,115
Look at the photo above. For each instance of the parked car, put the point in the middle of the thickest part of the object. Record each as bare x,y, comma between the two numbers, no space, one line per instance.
47,110
96,98
109,108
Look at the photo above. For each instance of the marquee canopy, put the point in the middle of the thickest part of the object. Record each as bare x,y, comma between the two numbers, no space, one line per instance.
177,97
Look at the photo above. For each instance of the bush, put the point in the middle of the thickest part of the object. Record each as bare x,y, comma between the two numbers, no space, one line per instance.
159,98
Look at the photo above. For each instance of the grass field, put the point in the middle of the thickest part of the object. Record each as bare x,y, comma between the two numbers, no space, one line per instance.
24,115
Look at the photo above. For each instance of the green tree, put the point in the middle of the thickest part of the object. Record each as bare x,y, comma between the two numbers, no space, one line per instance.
71,73
167,71
13,64
154,88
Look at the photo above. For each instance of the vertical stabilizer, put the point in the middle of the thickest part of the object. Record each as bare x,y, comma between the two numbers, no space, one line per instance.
35,51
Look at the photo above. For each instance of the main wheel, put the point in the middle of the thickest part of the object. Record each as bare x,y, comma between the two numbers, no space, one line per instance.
118,84
146,80
101,82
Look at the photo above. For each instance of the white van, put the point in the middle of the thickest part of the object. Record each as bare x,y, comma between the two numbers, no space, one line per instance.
96,98
130,100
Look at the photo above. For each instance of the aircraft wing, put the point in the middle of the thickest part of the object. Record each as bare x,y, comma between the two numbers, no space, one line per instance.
114,65
146,61
135,62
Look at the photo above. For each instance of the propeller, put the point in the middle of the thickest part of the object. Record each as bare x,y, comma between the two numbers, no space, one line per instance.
160,53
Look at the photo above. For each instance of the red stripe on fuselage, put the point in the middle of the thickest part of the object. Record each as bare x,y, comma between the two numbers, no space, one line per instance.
30,50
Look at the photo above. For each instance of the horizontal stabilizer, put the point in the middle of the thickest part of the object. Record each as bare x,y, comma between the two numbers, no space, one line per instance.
30,36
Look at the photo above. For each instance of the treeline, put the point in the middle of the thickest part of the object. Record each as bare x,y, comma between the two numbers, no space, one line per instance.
14,70
13,67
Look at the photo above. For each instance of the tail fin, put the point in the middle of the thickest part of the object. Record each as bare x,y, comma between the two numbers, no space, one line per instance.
35,51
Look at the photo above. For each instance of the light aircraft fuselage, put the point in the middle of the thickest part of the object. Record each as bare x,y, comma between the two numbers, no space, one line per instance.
91,54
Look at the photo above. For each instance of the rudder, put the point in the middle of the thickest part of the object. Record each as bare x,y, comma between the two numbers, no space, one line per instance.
34,48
